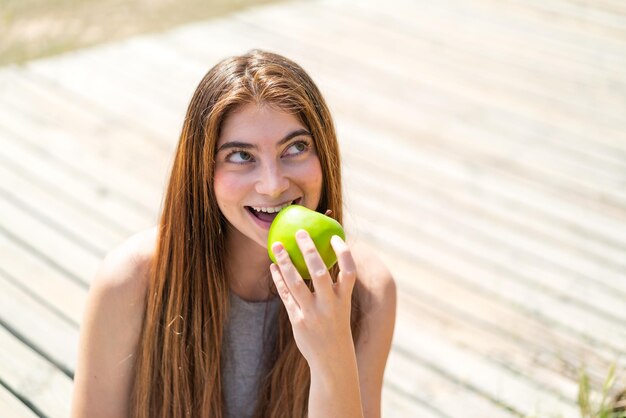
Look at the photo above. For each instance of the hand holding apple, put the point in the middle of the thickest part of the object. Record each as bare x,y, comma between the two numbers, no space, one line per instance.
320,227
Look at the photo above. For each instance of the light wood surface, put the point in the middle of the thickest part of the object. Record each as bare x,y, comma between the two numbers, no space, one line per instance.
484,149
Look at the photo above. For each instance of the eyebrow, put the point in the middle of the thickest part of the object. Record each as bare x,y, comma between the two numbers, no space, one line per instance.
246,145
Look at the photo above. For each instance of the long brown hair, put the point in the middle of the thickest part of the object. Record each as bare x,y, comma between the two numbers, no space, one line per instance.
177,370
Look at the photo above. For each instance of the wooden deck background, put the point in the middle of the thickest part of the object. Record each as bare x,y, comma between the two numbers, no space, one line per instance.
485,157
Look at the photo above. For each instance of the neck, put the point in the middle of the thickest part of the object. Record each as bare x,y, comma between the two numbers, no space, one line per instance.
247,268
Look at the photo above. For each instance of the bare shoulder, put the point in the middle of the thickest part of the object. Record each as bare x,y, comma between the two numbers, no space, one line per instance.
126,267
111,327
377,295
377,299
374,279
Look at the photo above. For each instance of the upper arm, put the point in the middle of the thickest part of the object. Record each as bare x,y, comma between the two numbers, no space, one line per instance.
377,292
108,339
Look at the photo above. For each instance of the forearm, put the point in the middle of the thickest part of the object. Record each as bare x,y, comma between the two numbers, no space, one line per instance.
335,388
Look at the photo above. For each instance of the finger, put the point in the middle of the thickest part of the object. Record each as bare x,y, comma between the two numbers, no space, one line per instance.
347,265
328,212
322,281
283,291
296,285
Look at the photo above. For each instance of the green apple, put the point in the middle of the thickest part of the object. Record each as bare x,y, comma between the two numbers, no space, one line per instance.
320,227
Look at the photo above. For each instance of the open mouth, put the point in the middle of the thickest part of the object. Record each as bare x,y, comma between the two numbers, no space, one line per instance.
269,217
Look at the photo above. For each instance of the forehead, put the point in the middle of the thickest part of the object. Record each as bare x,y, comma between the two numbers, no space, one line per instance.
257,123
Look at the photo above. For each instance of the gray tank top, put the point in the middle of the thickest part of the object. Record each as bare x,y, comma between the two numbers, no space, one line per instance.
249,329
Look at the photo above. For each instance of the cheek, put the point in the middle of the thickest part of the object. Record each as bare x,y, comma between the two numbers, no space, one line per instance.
318,179
312,172
226,186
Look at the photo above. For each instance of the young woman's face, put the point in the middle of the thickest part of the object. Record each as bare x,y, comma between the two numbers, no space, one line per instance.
265,159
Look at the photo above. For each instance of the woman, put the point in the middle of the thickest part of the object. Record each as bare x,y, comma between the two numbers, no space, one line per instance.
184,319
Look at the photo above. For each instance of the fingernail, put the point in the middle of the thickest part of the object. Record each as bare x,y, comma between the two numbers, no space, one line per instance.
301,234
336,239
277,248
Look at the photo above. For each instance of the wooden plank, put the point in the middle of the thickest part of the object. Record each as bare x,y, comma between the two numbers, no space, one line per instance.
588,19
458,42
511,160
38,325
391,102
41,279
497,384
68,255
163,61
537,79
507,213
436,168
12,407
539,180
572,183
613,6
144,56
82,189
262,39
30,376
40,202
57,145
535,264
133,56
470,311
442,394
495,330
546,35
126,64
428,249
538,168
423,240
456,48
70,73
86,126
591,194
505,350
518,28
576,166
415,65
394,404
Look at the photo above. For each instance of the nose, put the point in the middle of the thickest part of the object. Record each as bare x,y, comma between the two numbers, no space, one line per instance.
273,182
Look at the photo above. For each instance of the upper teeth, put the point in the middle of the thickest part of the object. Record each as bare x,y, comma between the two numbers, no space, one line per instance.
273,210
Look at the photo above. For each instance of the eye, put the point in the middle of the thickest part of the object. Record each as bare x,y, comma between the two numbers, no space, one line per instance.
300,147
246,157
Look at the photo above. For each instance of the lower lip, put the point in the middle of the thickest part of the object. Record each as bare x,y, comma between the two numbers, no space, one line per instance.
263,224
